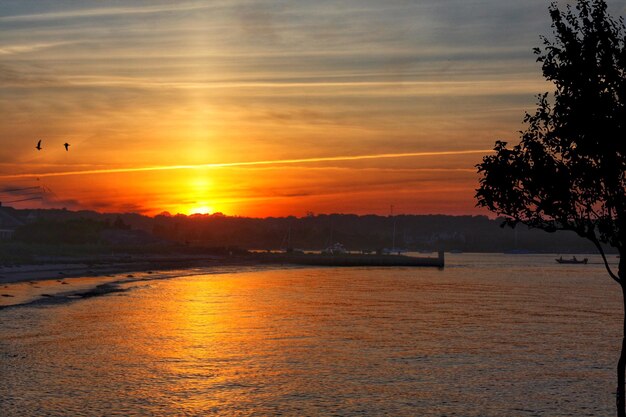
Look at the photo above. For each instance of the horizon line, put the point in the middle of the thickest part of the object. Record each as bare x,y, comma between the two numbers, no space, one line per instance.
245,163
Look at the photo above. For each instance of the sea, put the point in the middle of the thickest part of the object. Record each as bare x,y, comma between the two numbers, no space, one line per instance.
488,335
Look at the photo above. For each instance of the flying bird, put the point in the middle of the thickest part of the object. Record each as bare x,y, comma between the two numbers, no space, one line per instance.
67,145
38,147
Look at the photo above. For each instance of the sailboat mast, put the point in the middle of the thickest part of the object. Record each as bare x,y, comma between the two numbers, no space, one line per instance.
393,238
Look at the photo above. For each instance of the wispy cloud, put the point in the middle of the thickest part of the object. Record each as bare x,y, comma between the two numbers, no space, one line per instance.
104,11
502,85
25,48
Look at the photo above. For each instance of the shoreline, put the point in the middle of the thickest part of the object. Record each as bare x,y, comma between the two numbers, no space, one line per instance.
49,268
58,282
58,279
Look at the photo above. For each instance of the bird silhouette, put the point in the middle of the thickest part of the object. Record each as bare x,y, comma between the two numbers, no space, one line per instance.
38,147
67,145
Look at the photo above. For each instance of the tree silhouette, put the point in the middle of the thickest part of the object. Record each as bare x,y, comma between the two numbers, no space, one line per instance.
568,171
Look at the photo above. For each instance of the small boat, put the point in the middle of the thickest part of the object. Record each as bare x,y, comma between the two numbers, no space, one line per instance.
571,261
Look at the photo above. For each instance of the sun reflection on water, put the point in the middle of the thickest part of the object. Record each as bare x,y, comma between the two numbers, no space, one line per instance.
317,342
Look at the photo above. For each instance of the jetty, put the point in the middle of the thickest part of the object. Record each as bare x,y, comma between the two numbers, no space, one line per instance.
353,259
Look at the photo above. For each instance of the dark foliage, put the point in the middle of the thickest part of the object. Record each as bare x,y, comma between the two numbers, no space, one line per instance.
568,171
73,231
369,232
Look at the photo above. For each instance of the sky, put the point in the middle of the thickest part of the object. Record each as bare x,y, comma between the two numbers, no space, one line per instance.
262,108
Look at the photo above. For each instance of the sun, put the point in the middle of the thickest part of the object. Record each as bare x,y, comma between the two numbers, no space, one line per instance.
201,210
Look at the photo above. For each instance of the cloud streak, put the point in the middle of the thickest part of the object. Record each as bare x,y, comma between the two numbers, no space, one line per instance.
247,163
105,11
18,49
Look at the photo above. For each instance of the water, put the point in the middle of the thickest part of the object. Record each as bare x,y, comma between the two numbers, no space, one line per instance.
491,335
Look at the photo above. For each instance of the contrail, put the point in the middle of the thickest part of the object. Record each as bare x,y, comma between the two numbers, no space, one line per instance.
249,163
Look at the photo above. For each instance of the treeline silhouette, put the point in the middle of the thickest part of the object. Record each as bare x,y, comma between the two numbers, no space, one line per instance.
78,230
313,232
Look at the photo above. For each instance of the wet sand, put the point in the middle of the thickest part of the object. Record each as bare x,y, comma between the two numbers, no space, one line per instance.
51,282
58,268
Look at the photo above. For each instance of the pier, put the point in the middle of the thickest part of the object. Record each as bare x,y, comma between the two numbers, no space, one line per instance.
348,260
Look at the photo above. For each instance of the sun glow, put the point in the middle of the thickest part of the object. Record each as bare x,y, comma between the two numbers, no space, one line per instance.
204,209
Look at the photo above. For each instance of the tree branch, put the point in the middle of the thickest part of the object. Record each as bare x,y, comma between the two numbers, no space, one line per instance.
606,262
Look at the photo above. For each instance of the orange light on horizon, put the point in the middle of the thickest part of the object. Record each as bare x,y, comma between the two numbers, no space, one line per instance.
204,209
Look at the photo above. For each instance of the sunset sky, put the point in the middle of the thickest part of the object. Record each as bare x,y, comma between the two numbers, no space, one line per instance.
260,108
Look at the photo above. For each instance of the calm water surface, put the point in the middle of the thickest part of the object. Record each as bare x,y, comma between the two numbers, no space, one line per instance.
491,335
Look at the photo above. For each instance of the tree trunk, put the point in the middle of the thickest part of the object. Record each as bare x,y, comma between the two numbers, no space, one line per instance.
621,364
